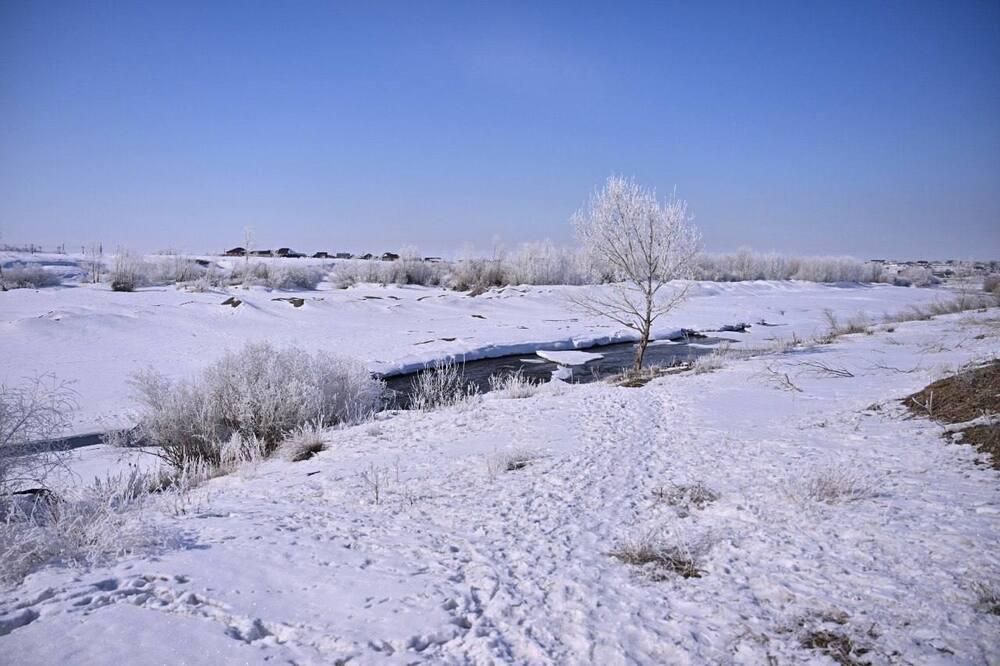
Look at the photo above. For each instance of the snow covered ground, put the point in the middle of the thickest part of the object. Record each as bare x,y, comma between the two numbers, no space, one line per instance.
462,561
97,338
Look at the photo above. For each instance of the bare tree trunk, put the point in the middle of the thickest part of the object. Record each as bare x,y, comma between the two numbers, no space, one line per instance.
640,352
646,328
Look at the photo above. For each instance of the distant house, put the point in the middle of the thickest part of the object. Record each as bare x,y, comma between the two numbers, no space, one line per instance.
321,255
344,255
367,256
236,252
289,253
390,256
433,260
261,253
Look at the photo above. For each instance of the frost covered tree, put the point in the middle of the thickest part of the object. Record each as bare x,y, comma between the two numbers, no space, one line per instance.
646,244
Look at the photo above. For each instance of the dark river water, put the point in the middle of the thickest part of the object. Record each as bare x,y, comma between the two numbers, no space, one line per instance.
614,359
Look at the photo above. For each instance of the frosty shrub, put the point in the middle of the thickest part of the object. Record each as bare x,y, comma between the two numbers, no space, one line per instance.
748,265
477,275
258,392
128,272
443,385
177,269
27,277
410,268
83,527
545,263
915,276
513,385
249,273
294,277
30,416
278,275
992,284
348,272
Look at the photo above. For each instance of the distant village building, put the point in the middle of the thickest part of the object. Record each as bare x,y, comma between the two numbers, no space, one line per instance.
344,255
366,256
321,255
236,252
433,260
261,253
289,253
390,256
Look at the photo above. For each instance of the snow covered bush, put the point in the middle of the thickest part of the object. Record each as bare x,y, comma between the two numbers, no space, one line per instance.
513,385
443,385
409,269
477,275
545,263
177,269
20,276
128,272
992,284
279,274
30,416
258,392
294,277
748,265
915,276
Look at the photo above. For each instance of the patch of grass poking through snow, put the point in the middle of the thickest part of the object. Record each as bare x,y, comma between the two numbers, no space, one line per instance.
836,484
837,646
656,558
685,497
512,460
304,443
988,598
632,378
86,527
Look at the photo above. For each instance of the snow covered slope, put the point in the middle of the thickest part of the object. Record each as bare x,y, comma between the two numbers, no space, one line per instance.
830,516
98,338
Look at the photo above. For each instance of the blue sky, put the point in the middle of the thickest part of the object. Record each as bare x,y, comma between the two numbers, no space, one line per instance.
828,128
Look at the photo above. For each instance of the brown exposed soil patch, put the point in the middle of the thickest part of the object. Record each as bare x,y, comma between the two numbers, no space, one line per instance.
972,393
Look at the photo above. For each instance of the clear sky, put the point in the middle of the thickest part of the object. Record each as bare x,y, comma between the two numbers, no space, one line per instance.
870,129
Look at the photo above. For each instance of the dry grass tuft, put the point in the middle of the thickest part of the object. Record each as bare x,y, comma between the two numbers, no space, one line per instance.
685,497
837,646
657,559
